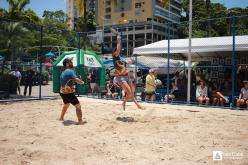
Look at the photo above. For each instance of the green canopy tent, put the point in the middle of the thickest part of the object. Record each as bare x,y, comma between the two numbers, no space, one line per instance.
86,59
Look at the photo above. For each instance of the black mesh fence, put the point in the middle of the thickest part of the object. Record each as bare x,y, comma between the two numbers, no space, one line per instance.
218,58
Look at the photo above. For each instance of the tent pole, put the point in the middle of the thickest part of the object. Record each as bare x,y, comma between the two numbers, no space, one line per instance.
189,53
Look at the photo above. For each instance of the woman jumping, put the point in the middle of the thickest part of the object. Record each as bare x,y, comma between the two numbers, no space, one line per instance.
121,74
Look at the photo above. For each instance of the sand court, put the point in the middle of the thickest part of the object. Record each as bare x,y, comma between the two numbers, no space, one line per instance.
162,134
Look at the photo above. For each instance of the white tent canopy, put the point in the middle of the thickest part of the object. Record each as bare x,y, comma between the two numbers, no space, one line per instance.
199,46
161,64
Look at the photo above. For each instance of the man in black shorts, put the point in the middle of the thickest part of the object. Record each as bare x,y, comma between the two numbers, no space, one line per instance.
67,79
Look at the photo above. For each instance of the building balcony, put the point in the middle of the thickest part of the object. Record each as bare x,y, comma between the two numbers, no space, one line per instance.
166,14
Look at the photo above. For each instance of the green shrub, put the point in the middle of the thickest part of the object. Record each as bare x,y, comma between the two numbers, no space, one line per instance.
45,75
8,83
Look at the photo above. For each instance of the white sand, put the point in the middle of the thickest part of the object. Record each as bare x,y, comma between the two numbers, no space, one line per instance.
162,134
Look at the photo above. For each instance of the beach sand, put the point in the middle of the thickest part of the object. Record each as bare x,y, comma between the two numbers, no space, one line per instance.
162,134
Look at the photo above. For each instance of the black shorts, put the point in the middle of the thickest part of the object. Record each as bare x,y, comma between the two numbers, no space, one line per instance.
69,98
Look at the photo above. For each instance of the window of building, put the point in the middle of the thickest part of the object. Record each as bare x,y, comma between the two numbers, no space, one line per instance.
139,28
130,37
123,5
108,10
130,28
149,19
137,5
138,12
107,16
148,26
149,36
108,2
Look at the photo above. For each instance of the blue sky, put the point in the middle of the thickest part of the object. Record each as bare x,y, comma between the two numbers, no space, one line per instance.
233,3
40,5
52,5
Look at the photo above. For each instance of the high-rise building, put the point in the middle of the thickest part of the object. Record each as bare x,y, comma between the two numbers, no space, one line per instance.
72,10
144,20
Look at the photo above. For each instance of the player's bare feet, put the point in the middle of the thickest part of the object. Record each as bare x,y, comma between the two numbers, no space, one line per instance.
141,108
82,122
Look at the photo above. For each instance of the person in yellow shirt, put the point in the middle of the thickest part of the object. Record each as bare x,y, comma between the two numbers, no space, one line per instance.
150,86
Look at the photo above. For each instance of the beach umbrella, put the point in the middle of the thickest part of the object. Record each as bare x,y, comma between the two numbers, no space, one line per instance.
50,54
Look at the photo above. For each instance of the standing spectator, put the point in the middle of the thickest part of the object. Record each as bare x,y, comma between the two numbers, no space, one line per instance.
18,75
215,94
92,80
202,93
243,96
150,86
29,78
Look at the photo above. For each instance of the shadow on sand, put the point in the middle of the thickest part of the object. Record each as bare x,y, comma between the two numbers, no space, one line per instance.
126,119
192,111
69,122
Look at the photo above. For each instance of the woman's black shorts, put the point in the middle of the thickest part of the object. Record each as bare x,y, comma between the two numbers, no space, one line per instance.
69,98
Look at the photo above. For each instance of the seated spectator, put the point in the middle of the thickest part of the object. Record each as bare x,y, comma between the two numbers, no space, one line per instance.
243,97
173,92
215,98
202,93
225,93
150,86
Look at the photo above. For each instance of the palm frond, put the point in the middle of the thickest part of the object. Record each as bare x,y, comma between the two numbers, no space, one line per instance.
22,4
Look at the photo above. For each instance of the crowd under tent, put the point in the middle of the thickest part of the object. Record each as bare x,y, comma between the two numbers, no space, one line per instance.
228,51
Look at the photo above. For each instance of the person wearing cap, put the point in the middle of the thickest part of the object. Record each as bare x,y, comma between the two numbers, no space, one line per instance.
243,96
202,93
150,86
67,79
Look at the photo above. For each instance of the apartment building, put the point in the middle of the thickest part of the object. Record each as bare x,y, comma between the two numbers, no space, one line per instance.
141,21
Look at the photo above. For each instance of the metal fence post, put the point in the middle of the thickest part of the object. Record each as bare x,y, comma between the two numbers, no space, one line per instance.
189,54
78,59
168,63
121,40
41,52
233,59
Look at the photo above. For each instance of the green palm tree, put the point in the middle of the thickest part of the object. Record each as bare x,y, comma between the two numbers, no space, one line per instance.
17,6
13,37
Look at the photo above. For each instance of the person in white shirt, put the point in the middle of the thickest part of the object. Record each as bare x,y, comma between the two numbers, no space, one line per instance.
18,75
243,97
202,93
